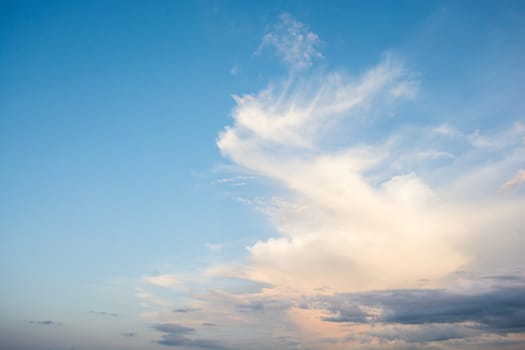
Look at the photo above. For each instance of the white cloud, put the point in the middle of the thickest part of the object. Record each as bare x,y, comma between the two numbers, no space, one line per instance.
234,180
519,127
516,181
293,41
446,130
214,247
235,70
433,154
501,140
360,217
338,228
408,88
166,280
296,113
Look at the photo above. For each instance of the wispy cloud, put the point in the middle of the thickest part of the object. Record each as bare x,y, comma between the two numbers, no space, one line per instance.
166,280
179,335
294,42
186,309
446,130
103,313
44,323
516,181
235,70
214,247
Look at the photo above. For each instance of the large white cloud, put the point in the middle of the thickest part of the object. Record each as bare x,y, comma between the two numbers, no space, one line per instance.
339,226
404,210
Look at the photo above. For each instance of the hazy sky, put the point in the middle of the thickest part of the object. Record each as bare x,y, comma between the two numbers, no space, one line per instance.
262,175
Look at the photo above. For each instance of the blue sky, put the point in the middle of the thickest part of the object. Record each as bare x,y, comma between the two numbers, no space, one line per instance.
288,174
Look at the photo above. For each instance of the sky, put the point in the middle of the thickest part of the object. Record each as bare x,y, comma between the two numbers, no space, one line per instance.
262,175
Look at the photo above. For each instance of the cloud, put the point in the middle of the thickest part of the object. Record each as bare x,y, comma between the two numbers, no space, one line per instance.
337,223
421,316
178,335
516,181
44,323
293,41
408,88
263,304
103,313
174,334
235,70
214,247
173,328
165,280
234,181
500,310
421,333
298,113
364,212
446,130
186,310
344,210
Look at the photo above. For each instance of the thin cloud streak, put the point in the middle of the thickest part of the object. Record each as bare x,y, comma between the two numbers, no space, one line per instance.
44,323
103,313
516,181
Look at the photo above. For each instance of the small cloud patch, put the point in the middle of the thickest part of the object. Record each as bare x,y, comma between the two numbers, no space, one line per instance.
44,323
103,313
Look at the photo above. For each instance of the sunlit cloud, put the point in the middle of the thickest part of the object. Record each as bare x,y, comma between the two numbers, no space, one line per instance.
368,230
516,181
335,221
165,280
209,175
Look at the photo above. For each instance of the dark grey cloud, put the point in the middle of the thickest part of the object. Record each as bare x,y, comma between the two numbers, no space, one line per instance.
179,335
44,323
500,310
263,304
416,318
505,278
421,333
103,313
173,328
186,310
